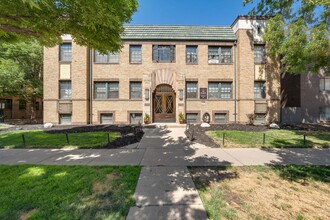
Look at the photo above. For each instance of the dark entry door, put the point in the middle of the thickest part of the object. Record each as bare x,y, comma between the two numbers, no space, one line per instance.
164,104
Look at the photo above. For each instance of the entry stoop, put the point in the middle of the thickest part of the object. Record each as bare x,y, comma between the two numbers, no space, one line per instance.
164,125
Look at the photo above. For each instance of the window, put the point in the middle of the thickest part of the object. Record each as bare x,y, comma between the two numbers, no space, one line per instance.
259,90
220,90
219,54
8,103
106,90
135,90
260,119
106,58
191,54
36,106
66,52
325,84
65,90
192,118
325,114
163,53
135,118
135,54
192,90
106,118
65,119
22,104
259,54
220,118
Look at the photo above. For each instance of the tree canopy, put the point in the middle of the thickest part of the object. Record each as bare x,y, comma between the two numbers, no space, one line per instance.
94,23
21,69
297,33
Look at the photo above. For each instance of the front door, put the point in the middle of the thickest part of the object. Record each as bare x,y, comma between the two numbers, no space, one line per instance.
164,104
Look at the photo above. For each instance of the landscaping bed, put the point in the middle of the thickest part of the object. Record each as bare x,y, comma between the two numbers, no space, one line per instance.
90,136
259,192
66,192
240,135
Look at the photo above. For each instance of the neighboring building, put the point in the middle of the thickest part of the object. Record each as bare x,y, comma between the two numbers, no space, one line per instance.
305,98
16,110
164,71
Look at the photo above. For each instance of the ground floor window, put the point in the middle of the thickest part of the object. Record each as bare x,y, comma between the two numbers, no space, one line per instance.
22,105
192,117
192,90
325,114
135,118
65,119
220,118
220,90
260,119
106,118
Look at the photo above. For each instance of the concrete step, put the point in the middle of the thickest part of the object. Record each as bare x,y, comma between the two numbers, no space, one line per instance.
164,125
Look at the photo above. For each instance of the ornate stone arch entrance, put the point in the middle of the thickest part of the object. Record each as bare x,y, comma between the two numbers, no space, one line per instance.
164,104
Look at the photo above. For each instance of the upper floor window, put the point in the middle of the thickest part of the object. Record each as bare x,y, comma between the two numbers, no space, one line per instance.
259,90
65,90
192,90
220,54
66,52
259,54
220,90
325,84
106,58
106,90
135,54
135,90
191,54
163,53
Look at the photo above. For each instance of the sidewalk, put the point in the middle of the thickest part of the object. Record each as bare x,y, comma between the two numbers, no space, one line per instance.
165,189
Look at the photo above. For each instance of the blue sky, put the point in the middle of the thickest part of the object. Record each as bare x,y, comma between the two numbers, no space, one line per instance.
189,12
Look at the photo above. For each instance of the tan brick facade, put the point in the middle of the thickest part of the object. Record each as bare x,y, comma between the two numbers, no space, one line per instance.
151,74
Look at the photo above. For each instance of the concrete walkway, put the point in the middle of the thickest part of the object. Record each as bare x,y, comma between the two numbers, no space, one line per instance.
165,189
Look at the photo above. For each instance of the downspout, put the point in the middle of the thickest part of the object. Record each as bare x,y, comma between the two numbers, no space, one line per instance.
235,82
90,86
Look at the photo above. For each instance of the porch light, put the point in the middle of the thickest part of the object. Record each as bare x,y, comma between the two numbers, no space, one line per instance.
181,94
146,94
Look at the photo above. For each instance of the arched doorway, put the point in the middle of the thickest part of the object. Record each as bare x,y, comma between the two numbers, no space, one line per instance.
164,104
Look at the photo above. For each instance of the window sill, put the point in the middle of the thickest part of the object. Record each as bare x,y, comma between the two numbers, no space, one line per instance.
220,63
191,63
135,63
259,63
231,99
96,63
65,62
163,61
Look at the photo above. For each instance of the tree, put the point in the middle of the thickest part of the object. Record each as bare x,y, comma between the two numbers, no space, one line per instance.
21,70
297,33
97,23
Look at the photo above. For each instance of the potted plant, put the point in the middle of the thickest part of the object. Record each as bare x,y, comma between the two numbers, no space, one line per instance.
146,118
181,118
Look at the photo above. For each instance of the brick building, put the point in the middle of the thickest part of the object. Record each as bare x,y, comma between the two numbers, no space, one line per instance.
164,71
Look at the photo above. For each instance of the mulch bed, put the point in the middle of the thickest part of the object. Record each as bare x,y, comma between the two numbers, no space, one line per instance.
199,133
128,134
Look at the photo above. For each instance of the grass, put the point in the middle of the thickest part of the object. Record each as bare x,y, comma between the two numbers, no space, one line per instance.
40,139
66,192
273,138
259,192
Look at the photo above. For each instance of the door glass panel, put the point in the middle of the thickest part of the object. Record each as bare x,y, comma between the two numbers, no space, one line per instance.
158,104
169,104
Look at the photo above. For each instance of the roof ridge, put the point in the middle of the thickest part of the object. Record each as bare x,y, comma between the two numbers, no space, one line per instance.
175,25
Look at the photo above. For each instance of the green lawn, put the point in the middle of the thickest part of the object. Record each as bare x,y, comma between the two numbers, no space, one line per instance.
40,139
273,138
66,192
259,192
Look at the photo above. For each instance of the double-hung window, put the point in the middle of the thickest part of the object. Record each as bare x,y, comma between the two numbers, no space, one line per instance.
106,90
259,90
219,54
220,90
192,90
325,84
325,113
191,55
65,90
163,53
135,53
259,54
135,90
66,52
109,57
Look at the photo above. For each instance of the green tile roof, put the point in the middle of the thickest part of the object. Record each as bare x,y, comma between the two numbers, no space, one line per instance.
178,32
